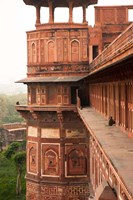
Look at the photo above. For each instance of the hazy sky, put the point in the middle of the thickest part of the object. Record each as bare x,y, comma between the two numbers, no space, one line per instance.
15,19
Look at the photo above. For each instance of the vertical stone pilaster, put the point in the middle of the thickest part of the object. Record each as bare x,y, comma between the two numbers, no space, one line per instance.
39,150
53,13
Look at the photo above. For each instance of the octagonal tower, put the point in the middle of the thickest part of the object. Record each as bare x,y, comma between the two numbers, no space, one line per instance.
57,141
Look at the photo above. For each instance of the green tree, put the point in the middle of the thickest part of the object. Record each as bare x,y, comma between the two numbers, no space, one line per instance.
15,152
11,150
19,159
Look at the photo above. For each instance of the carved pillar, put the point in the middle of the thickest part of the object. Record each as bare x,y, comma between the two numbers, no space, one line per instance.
53,14
51,11
84,13
70,11
37,14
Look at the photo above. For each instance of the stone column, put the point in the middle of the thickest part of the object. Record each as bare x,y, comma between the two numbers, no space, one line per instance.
37,14
84,13
70,11
51,11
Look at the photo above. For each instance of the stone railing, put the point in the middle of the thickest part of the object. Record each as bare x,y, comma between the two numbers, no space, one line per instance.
107,170
120,45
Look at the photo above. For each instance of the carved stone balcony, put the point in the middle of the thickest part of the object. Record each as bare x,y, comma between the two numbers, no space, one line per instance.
120,49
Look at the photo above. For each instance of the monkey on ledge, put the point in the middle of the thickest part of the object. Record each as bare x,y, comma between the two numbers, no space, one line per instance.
111,121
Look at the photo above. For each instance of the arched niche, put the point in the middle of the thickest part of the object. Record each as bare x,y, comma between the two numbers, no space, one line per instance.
76,163
75,51
51,51
32,160
33,52
51,163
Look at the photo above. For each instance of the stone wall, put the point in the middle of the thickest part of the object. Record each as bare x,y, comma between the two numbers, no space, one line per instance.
12,132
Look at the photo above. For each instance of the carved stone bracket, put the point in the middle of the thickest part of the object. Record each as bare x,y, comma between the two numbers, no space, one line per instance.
24,114
60,116
34,115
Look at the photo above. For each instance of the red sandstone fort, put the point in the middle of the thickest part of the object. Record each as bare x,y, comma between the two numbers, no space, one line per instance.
78,77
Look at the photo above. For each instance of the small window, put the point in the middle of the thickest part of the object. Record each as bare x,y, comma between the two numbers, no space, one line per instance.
59,90
65,90
33,52
74,95
43,90
95,51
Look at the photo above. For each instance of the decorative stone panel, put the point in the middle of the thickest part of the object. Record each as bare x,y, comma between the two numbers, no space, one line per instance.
76,160
50,133
50,160
57,46
32,157
32,131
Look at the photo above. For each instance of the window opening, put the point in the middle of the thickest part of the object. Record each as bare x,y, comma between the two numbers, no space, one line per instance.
95,51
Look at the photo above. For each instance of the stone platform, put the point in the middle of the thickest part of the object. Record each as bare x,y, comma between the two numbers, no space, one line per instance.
116,144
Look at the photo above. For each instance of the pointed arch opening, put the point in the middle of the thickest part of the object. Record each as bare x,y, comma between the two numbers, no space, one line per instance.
76,163
33,52
51,51
32,160
50,162
75,52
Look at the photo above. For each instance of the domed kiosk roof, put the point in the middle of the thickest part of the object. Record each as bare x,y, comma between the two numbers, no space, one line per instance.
60,3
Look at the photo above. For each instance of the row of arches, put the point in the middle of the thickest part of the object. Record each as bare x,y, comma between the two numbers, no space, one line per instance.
51,51
76,162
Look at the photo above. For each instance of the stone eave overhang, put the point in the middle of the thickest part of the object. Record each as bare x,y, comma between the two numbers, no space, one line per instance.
51,79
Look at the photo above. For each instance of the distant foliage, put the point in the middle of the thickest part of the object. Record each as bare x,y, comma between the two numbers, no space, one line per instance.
11,150
8,178
8,113
20,158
